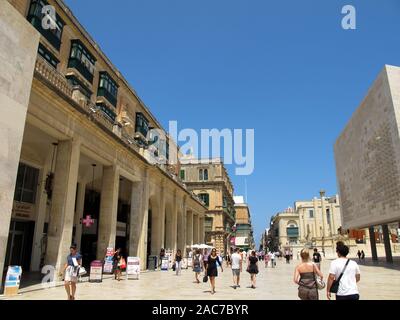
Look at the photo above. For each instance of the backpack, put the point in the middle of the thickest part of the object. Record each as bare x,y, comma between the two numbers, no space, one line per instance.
196,262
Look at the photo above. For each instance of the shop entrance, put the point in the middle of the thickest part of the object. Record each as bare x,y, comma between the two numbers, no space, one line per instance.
90,233
19,246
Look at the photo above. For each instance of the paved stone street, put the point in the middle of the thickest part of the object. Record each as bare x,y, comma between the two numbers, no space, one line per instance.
377,282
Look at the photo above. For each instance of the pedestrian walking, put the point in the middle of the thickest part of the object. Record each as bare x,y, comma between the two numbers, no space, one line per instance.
212,269
359,255
317,258
237,264
71,272
205,260
197,264
343,276
162,255
178,262
272,258
287,256
117,264
253,268
362,256
266,259
305,276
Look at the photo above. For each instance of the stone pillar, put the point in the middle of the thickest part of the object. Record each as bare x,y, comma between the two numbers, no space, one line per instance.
161,237
139,220
201,228
316,224
63,203
386,240
175,224
189,228
373,243
108,210
41,206
195,228
182,227
80,203
16,73
324,218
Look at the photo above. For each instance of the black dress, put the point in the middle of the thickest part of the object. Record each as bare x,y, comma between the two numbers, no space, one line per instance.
212,270
253,269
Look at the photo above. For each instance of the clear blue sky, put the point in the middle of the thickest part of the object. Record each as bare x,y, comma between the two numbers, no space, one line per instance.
285,68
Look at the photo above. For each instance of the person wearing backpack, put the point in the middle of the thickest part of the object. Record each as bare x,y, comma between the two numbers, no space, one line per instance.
343,276
197,264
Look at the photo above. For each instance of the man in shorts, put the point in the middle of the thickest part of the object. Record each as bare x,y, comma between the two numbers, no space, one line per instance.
236,261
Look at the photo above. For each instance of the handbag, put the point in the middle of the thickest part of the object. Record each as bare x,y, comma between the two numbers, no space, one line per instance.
320,283
173,266
81,271
205,278
335,285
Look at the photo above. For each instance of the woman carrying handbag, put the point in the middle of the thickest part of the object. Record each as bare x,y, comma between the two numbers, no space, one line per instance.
308,277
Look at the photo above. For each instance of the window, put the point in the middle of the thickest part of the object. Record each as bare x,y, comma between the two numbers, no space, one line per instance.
311,213
208,222
82,60
35,17
109,113
328,216
205,174
26,185
76,83
205,197
108,88
201,174
48,56
142,124
182,174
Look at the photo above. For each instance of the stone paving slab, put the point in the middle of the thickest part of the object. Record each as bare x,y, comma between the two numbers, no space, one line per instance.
377,282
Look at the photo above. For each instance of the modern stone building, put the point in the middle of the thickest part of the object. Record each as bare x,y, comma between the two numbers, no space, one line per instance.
367,155
209,180
244,237
77,163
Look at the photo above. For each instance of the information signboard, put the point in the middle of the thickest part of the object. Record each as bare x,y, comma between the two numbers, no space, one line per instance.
13,278
108,263
133,268
96,271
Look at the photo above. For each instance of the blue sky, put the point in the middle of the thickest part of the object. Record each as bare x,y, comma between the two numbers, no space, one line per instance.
285,68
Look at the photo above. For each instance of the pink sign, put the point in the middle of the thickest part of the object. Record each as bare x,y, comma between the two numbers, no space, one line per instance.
88,221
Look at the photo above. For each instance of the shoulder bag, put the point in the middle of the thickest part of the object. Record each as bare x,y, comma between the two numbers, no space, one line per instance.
335,284
320,283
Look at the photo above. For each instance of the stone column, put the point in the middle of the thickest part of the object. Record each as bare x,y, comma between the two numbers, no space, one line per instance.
161,243
175,224
316,224
108,210
386,240
195,228
41,205
63,203
80,203
189,228
201,226
324,218
16,73
182,230
139,220
373,243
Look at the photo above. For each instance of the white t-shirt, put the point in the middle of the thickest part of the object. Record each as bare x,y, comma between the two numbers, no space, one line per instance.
235,259
348,283
272,255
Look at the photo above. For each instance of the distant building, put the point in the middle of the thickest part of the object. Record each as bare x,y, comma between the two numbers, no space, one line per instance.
244,231
209,180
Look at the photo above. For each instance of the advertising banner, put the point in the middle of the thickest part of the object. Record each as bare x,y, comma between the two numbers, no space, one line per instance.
133,268
164,264
190,262
13,279
184,263
96,271
108,263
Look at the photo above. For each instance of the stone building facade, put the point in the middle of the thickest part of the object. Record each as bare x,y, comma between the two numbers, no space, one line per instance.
209,180
80,165
367,155
244,237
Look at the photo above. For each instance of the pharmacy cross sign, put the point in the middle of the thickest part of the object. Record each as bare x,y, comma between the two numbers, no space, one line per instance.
88,221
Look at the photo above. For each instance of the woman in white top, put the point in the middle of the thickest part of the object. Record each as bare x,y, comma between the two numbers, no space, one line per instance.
348,289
